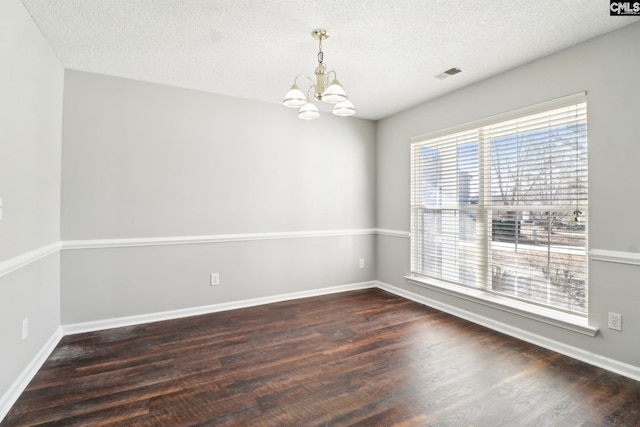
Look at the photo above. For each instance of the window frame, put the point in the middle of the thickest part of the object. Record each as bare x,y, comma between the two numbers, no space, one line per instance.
566,320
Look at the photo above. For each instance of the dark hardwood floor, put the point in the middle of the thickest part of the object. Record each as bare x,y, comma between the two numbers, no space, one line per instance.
364,358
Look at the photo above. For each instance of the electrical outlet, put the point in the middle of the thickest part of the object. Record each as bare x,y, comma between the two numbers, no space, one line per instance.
215,279
361,263
25,328
615,321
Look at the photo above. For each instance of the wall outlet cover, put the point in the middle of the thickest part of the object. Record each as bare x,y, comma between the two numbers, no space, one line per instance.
215,279
615,321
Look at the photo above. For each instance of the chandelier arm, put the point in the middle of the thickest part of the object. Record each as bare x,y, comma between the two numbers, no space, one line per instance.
313,86
303,75
326,88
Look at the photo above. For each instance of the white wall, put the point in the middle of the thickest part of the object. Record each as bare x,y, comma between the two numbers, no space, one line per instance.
31,89
142,160
607,68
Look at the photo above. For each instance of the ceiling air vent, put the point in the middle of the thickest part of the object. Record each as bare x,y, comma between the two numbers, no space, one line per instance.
448,73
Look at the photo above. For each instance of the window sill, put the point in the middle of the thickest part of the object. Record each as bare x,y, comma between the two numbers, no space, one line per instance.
562,320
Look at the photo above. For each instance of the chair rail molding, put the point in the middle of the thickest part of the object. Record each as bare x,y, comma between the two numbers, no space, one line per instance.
214,238
392,233
618,257
12,264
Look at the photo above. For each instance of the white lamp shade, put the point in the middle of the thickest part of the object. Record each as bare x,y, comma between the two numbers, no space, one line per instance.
344,108
294,98
308,112
334,93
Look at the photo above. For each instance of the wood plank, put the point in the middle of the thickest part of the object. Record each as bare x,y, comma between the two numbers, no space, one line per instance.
365,358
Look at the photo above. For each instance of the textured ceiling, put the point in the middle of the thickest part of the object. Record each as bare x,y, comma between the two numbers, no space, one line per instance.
385,52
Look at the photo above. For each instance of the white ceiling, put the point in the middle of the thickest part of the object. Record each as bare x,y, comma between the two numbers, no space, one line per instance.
385,52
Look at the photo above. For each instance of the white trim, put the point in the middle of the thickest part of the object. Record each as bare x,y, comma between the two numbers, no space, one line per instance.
612,365
564,101
567,321
618,257
12,264
392,233
118,322
10,397
27,258
215,238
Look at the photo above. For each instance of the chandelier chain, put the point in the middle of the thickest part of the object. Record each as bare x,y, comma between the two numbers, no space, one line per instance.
320,54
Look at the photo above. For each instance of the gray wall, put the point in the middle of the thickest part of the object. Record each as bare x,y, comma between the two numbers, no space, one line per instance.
31,89
607,68
148,161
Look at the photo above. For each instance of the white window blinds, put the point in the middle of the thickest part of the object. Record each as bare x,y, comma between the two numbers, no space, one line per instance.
502,206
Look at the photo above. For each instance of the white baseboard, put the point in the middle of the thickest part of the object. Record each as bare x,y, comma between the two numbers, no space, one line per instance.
10,397
618,367
98,325
16,389
13,393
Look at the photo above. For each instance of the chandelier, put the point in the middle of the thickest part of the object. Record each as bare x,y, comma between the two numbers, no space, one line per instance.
324,89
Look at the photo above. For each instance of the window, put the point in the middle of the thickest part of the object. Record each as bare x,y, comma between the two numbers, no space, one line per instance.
500,206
